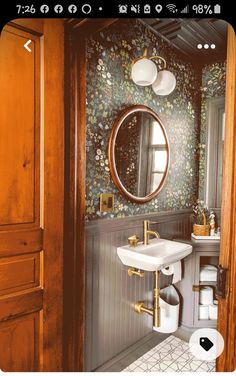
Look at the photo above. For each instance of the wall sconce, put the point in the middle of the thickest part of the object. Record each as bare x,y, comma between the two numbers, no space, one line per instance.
165,83
144,73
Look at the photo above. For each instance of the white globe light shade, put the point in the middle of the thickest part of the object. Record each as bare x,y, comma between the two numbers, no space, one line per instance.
165,83
144,72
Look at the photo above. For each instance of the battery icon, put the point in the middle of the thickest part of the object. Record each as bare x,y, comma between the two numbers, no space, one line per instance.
217,9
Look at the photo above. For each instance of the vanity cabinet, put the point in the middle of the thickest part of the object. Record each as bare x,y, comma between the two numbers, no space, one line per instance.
205,252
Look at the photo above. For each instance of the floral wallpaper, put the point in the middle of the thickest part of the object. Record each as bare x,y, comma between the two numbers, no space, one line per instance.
110,90
213,85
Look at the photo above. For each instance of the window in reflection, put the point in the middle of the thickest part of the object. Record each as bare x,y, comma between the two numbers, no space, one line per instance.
157,156
159,160
141,154
157,135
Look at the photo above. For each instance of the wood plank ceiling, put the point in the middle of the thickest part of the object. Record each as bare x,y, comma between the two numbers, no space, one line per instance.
186,34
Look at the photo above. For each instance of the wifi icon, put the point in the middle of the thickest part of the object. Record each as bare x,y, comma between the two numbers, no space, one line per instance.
172,8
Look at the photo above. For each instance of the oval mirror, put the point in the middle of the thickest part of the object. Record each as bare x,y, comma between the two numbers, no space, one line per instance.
138,154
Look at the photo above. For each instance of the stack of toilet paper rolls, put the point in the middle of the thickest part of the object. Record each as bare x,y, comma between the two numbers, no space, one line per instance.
208,309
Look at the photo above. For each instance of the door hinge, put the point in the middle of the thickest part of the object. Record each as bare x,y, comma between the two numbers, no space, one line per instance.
221,282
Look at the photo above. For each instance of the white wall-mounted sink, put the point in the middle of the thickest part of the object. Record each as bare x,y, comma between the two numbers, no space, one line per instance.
157,255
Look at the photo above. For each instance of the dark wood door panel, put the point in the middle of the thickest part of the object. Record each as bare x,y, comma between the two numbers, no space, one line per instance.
19,343
21,238
19,273
19,130
20,242
31,195
20,303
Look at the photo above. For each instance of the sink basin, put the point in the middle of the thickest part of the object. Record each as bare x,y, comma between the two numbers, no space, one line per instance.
158,254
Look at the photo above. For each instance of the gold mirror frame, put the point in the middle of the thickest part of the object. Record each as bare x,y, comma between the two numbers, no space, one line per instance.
111,154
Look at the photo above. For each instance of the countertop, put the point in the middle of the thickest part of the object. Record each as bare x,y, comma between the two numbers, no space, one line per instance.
199,243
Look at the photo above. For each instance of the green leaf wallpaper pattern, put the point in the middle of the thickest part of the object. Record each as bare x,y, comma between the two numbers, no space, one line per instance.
110,90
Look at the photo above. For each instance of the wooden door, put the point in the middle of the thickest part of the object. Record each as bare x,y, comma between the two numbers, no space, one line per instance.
31,195
227,306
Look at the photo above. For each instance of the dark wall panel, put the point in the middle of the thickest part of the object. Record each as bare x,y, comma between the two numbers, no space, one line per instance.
111,323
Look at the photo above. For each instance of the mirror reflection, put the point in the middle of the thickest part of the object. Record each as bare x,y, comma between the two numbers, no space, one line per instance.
214,151
141,154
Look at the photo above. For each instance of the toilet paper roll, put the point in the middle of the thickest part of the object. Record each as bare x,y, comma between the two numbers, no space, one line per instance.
208,275
169,270
174,269
203,312
206,296
213,312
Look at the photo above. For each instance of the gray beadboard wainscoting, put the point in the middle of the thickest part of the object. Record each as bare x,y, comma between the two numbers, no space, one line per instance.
111,323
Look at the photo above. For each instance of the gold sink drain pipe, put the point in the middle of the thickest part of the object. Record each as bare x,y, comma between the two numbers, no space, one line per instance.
155,311
156,300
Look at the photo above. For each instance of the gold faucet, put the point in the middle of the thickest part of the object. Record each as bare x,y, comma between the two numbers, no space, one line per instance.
147,232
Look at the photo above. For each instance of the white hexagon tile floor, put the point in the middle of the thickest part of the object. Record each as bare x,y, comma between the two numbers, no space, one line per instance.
171,355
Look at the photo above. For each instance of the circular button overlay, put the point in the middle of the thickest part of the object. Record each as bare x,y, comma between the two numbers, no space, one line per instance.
206,344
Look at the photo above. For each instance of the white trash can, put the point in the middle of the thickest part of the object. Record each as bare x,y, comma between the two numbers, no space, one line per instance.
169,310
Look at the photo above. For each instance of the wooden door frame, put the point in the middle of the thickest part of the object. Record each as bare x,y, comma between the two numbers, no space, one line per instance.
76,32
54,192
75,167
227,307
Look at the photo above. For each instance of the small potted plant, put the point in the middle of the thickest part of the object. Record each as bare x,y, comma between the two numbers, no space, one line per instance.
201,225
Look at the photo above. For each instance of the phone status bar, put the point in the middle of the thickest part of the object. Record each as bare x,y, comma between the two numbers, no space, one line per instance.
116,9
120,9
